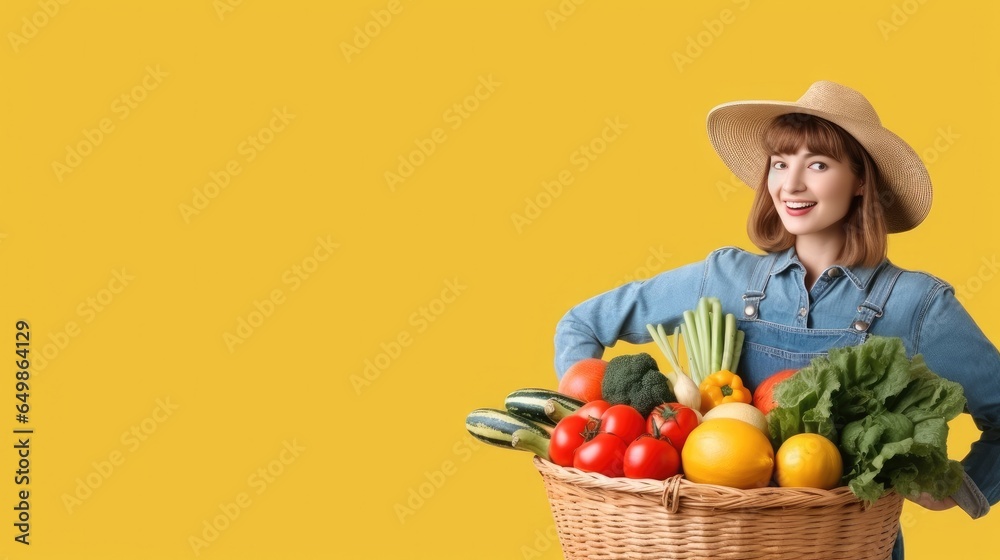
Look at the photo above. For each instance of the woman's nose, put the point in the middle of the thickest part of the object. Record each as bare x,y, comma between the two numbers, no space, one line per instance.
792,180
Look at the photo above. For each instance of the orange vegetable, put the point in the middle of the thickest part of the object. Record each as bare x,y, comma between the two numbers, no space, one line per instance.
763,395
583,379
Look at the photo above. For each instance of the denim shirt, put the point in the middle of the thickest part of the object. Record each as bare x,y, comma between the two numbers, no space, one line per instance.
921,310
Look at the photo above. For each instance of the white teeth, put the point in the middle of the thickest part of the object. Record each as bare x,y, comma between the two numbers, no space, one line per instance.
797,205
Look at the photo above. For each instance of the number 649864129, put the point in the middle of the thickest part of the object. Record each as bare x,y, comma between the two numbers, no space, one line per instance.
22,345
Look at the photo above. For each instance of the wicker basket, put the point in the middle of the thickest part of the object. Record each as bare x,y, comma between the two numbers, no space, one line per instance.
599,517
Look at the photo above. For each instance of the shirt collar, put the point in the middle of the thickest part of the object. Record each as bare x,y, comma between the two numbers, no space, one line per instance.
859,275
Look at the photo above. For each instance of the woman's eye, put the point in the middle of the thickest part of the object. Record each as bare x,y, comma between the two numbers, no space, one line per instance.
779,165
819,166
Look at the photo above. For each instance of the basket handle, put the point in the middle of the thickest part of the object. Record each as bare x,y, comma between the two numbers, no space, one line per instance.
672,493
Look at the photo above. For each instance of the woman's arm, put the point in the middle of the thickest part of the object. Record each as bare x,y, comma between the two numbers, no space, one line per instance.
927,501
623,313
954,347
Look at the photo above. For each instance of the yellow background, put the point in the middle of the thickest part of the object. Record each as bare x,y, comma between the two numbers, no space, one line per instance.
429,277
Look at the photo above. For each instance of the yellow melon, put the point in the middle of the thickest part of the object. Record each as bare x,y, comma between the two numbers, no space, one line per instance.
728,452
739,411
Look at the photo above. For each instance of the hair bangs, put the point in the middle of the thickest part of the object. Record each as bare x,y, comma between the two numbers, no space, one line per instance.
788,133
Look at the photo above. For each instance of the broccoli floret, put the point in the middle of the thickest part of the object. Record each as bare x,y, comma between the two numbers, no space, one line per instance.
635,380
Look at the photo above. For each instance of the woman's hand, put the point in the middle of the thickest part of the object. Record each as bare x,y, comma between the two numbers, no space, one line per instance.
930,503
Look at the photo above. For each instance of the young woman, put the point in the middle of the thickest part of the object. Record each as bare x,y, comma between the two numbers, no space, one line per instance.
831,183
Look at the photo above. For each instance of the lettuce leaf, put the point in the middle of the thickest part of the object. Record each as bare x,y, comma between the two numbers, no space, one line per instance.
889,414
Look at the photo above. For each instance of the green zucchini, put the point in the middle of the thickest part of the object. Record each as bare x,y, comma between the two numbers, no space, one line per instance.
531,404
498,428
557,409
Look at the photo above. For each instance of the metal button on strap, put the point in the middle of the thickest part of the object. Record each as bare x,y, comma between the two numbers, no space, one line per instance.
803,312
860,326
749,310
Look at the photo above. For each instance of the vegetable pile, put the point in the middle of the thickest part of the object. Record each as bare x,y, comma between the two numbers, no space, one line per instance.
634,430
866,417
889,414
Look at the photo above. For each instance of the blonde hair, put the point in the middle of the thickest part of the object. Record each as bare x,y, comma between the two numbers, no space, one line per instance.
865,224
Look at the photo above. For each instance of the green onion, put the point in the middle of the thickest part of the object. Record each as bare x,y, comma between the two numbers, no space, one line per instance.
653,332
662,334
730,341
704,338
692,365
717,342
712,341
659,335
690,333
737,350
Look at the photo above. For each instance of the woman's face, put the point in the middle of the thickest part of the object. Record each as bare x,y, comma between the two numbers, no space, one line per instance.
812,193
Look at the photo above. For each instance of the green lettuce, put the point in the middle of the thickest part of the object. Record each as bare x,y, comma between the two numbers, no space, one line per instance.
889,414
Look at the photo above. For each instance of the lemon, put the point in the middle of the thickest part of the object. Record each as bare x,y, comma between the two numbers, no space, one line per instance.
808,460
728,452
740,411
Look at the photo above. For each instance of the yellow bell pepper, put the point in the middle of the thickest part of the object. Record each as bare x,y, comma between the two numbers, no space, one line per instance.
721,387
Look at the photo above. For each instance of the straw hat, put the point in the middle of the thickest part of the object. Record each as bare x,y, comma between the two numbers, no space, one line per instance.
736,129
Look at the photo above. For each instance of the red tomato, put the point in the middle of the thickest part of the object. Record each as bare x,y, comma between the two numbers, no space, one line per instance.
623,421
604,454
763,395
672,422
569,433
583,379
593,409
649,457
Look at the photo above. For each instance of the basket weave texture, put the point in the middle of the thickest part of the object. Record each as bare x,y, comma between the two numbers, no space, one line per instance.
598,517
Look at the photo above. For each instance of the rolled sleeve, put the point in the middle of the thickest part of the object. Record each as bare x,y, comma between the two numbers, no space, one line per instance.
970,499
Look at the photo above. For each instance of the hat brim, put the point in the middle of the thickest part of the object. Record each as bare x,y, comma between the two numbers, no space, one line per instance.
736,131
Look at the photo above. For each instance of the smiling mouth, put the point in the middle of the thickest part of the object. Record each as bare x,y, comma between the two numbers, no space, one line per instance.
799,205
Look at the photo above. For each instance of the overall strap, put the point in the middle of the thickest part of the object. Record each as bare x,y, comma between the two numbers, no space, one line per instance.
755,288
874,304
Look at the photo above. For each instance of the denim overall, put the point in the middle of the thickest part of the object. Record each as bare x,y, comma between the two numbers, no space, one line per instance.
772,347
